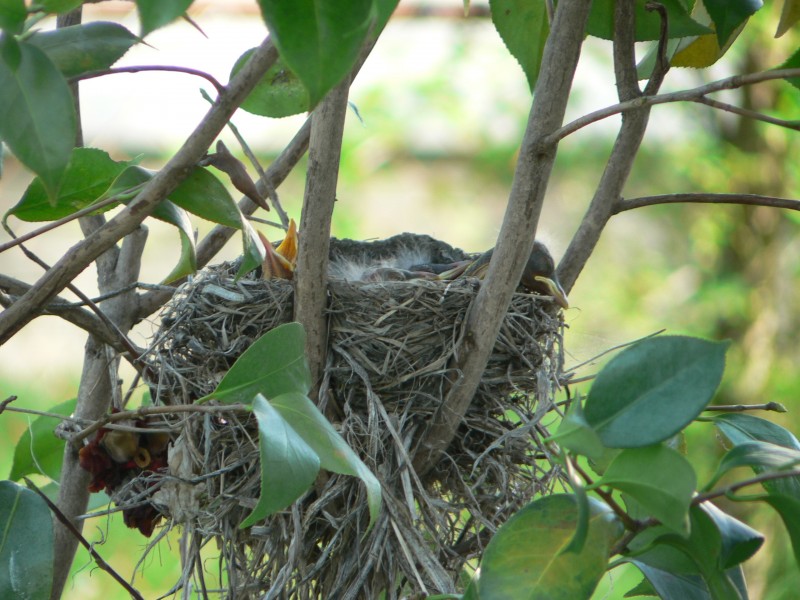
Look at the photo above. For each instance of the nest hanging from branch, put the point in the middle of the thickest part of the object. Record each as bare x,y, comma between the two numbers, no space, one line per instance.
389,363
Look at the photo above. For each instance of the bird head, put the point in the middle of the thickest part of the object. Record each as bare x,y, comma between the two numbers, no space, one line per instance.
539,275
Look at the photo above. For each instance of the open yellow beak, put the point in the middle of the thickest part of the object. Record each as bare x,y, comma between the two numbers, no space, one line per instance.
555,290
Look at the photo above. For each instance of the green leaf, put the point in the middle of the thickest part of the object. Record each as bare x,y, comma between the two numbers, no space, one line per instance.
383,11
524,559
319,40
57,6
26,544
207,197
790,14
288,464
187,263
576,435
643,588
273,365
653,389
90,172
739,541
82,48
678,586
789,511
793,62
12,15
279,93
253,249
38,115
740,428
729,15
648,24
758,455
659,479
157,13
523,26
38,450
334,452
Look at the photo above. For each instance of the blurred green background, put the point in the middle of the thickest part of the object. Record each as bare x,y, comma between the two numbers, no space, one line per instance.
441,108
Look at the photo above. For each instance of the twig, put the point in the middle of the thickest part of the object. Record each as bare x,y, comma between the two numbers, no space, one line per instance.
629,523
4,404
561,53
662,62
761,478
89,547
748,113
704,198
146,411
729,83
770,406
142,68
175,171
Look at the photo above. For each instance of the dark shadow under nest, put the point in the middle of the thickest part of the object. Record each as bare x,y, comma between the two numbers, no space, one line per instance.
388,365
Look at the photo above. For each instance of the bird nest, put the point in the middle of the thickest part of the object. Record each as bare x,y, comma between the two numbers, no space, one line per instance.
390,356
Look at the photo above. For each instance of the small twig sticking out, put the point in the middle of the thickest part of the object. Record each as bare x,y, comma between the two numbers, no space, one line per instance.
662,62
223,160
84,542
4,404
770,406
142,68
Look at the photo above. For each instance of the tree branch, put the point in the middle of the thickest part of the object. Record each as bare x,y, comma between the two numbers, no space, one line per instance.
515,241
143,68
176,170
618,168
703,198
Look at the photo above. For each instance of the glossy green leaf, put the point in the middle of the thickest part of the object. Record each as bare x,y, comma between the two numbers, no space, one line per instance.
524,559
789,510
334,452
204,195
279,93
659,479
758,455
653,389
523,26
26,544
90,172
793,62
273,365
742,428
288,464
739,541
128,183
12,15
383,11
38,450
729,15
157,13
38,115
679,586
319,40
83,48
648,23
576,435
790,14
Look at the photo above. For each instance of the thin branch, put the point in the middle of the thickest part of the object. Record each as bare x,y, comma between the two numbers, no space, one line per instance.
4,404
176,170
630,523
748,113
760,478
89,547
142,68
662,62
561,53
704,198
729,83
770,406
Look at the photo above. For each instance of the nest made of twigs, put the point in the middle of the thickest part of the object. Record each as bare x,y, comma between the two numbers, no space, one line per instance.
389,363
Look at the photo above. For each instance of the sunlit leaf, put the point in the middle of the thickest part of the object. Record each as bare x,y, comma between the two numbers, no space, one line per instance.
273,365
524,559
653,389
648,23
81,48
319,40
288,464
90,172
157,13
38,115
334,452
26,544
576,435
38,450
523,26
659,479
